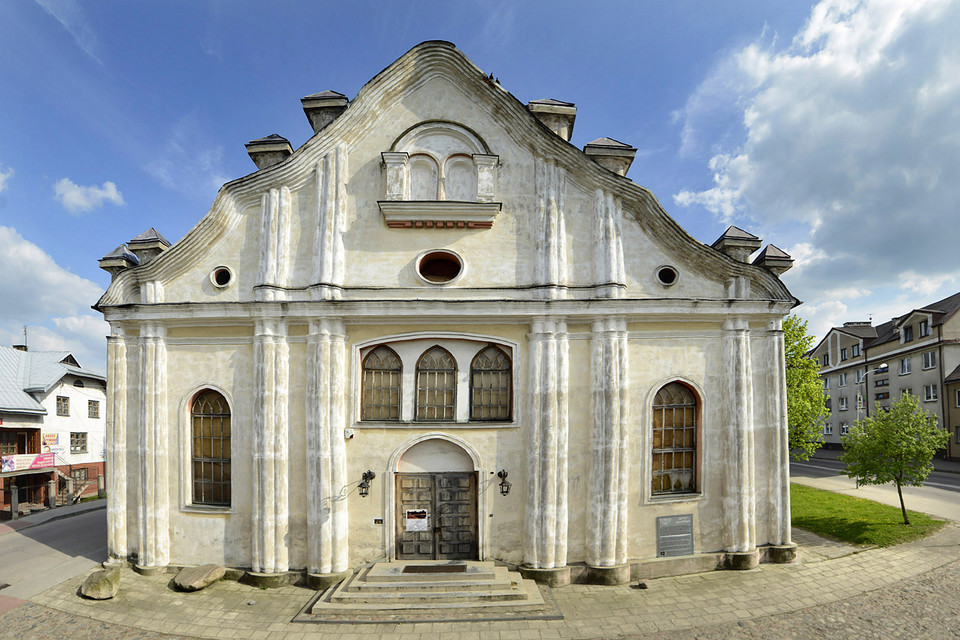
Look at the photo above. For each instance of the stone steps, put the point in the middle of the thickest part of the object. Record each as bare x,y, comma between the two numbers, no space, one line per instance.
476,586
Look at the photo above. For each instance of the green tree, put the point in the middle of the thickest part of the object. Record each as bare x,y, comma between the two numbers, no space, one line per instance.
894,446
806,403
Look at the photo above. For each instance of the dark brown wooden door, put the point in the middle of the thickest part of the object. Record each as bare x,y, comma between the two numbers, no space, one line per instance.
436,516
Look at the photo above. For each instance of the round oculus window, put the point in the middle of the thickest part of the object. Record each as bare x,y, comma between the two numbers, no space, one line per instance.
221,277
667,276
439,267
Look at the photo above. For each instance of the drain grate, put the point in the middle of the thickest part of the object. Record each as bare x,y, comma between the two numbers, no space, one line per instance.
435,568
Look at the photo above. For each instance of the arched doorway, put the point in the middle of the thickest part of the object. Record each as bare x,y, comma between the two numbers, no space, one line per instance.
436,503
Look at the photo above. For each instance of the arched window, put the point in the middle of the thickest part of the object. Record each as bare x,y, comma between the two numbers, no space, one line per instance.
436,385
491,385
210,417
674,440
381,385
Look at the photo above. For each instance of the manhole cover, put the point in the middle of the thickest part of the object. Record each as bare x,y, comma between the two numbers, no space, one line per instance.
435,568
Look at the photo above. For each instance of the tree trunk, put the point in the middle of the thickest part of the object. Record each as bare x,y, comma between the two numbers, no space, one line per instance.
906,520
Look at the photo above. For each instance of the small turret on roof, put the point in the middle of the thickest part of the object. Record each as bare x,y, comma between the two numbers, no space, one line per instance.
148,245
323,108
611,154
737,243
117,261
774,259
557,115
268,151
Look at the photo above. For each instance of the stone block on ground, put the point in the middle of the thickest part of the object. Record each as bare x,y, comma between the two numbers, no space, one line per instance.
101,585
196,578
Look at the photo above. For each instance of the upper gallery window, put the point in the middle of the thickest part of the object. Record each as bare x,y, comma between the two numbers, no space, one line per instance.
491,385
907,334
421,379
826,359
63,406
210,436
381,385
436,385
923,328
674,440
93,409
856,350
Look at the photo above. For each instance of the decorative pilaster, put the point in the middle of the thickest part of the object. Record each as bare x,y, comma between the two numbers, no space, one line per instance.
781,480
331,198
153,450
116,424
546,539
273,270
550,242
737,451
327,517
609,271
270,447
609,477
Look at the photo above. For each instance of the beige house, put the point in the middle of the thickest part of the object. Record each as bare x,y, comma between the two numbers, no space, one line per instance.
864,366
437,330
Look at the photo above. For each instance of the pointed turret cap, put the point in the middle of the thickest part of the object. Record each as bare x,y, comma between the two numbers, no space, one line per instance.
611,154
148,245
774,259
117,261
323,108
737,243
269,150
557,115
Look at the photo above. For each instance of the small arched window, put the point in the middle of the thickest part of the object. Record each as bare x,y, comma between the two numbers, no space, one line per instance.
210,418
491,385
381,385
436,385
674,440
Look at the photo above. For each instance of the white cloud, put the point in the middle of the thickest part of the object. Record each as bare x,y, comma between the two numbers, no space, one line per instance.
52,302
4,176
78,199
852,132
71,16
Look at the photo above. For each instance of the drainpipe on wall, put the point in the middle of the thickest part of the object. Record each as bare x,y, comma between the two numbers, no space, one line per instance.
943,389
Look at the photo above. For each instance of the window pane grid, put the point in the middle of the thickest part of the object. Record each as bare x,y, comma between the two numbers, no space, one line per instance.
381,386
674,440
436,386
211,450
491,383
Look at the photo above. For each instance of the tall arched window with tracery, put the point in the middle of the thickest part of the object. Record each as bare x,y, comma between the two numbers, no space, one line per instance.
381,385
210,427
675,414
491,385
436,385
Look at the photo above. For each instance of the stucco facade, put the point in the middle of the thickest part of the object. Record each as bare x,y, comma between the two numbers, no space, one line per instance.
436,287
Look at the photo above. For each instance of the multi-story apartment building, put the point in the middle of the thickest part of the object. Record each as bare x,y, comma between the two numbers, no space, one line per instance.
864,367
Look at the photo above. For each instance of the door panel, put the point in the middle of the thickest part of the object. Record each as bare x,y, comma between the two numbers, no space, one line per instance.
450,500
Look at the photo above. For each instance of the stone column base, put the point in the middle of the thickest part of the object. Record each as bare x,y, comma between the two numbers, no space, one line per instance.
149,571
321,581
782,553
558,577
741,560
265,580
619,574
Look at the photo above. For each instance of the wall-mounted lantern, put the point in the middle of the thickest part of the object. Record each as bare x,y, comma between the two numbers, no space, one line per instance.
364,486
504,483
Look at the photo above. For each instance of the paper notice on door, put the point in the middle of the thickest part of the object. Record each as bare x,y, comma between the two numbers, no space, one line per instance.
416,520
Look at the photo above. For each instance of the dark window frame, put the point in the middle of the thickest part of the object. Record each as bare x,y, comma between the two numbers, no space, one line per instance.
495,383
210,434
371,383
434,381
689,450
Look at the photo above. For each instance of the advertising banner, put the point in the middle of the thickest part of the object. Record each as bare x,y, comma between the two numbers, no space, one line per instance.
9,464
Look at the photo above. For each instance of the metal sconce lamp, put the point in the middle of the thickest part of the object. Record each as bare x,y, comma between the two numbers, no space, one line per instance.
504,483
364,486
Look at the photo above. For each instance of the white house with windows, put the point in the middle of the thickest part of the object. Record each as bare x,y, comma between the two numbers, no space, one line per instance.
439,331
52,425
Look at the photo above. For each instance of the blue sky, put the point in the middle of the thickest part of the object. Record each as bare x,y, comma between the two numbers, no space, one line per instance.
831,129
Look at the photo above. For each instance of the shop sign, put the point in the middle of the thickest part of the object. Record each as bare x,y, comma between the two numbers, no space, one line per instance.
9,464
416,520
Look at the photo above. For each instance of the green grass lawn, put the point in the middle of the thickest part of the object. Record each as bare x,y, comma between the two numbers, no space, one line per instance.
855,520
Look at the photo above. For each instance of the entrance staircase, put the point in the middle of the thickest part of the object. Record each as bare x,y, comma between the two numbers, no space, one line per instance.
434,590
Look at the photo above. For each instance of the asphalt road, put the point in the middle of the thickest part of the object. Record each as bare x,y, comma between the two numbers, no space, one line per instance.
938,496
36,558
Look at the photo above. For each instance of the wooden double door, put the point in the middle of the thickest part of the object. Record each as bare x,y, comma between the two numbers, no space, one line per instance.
436,516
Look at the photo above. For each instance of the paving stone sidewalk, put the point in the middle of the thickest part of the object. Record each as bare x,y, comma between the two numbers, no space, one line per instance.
810,599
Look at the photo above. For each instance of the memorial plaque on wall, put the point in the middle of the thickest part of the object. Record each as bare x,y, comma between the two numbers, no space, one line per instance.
675,535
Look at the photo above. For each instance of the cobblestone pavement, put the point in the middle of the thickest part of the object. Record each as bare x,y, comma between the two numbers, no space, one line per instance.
910,591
